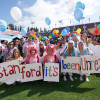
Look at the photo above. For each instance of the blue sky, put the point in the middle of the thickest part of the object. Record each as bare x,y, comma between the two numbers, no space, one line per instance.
37,10
6,5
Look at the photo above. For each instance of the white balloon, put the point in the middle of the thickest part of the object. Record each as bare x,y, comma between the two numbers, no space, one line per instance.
16,13
71,4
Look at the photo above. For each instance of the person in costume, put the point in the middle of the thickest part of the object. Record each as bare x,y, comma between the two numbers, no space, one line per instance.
50,56
76,40
71,51
32,56
82,50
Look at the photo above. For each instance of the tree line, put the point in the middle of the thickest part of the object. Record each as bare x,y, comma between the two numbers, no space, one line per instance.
16,28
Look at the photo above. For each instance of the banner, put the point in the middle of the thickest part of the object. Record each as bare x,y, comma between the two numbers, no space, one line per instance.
90,64
24,73
51,72
83,64
31,72
7,70
70,64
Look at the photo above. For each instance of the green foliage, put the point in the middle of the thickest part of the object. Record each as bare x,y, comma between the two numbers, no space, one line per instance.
11,26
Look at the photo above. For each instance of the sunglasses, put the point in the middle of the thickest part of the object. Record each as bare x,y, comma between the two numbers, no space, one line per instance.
11,44
16,41
58,42
41,44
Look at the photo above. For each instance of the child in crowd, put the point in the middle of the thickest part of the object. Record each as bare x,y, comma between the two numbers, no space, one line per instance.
32,56
50,56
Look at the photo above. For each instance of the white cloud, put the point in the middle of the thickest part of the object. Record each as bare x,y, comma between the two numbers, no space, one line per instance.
55,11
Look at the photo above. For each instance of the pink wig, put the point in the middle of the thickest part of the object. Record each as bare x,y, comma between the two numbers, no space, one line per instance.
29,51
53,49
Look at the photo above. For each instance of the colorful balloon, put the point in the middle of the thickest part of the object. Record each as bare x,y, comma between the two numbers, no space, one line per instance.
57,31
50,34
71,5
3,25
63,32
79,5
83,6
54,31
50,37
96,31
47,21
53,36
78,14
78,30
39,38
56,35
23,31
68,29
16,13
43,38
98,26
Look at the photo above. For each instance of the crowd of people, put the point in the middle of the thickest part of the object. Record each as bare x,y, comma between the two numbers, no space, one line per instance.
29,51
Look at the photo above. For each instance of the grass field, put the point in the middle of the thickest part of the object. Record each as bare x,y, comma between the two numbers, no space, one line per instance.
40,90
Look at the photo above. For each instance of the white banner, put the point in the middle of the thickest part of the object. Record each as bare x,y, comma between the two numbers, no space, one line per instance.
24,73
51,72
7,70
31,72
70,64
90,64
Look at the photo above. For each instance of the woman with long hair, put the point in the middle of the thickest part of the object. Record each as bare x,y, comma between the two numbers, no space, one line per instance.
82,50
84,38
71,51
76,40
15,56
41,49
58,48
9,50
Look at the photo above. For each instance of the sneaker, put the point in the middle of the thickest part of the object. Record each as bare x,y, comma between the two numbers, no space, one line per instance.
65,79
81,79
71,78
87,79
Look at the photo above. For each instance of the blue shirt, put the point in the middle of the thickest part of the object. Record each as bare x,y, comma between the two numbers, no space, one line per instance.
85,52
66,53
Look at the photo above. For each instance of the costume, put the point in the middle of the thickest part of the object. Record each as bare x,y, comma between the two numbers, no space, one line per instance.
50,58
32,58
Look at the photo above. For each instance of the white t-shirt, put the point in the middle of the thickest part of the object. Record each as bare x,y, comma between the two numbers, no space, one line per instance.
57,52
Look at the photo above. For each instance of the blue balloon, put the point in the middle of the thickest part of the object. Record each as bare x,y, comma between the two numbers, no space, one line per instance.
53,37
78,14
47,21
3,25
83,6
42,38
68,29
79,5
23,31
64,32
